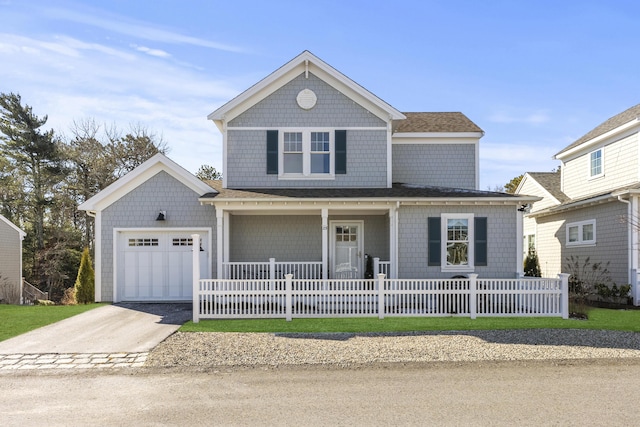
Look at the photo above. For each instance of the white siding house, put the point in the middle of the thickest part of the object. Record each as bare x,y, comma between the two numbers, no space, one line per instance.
10,261
589,209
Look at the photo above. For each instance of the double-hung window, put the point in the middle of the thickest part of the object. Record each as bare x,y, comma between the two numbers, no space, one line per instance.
457,242
595,163
292,152
307,153
320,152
458,230
581,233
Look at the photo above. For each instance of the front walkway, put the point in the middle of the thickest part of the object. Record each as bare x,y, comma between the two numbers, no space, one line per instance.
15,362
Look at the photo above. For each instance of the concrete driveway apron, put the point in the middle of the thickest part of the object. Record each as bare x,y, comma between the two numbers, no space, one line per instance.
109,334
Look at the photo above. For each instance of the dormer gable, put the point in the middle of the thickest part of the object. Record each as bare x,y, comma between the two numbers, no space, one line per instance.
305,63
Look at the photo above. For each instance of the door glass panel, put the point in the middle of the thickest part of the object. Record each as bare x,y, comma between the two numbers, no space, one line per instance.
346,252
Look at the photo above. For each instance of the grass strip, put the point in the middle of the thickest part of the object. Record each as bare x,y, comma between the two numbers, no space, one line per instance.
599,319
18,319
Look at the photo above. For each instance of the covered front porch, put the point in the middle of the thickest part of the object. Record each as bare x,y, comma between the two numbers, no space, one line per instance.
307,240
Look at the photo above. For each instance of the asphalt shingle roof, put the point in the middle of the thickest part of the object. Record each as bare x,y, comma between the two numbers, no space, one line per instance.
610,124
398,191
435,122
551,182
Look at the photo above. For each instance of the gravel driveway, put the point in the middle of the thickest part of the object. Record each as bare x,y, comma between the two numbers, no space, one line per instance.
208,349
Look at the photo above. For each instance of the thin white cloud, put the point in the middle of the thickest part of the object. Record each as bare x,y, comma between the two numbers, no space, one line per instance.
153,52
134,28
69,79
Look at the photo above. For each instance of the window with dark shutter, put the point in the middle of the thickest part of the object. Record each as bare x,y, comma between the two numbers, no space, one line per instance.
341,152
272,152
434,248
480,249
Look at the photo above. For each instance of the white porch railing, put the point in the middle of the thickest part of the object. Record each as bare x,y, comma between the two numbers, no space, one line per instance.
272,270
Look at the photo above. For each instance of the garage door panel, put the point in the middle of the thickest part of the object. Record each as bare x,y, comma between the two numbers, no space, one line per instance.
157,266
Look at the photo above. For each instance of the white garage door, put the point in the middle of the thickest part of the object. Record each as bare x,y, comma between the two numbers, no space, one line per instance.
157,265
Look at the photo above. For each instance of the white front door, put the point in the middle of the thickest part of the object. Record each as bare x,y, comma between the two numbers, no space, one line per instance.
347,249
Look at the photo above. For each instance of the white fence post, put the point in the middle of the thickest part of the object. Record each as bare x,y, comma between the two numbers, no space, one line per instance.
380,296
272,273
288,297
272,268
195,248
564,288
473,292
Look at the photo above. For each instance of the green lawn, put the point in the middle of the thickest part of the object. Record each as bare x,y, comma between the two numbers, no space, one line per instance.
18,319
620,320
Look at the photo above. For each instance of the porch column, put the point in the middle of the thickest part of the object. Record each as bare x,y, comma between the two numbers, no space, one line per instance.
219,240
393,242
325,243
519,243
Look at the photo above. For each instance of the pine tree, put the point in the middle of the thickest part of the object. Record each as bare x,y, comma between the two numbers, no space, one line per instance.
85,282
532,265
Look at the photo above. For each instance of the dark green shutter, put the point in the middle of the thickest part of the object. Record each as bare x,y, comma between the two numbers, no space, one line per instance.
341,152
272,152
433,236
481,241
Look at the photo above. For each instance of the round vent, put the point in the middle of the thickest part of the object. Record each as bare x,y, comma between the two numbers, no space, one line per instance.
306,99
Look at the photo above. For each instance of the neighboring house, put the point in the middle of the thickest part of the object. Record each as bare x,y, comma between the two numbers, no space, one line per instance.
10,261
589,208
317,172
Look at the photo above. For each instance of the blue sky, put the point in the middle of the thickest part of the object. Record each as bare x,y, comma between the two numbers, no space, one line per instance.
534,75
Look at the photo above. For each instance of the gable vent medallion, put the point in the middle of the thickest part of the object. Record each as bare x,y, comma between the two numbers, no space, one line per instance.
307,99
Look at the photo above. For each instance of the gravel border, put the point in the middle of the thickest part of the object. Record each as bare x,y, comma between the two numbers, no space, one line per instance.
227,349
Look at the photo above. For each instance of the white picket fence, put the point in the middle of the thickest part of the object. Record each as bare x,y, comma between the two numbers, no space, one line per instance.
300,298
269,290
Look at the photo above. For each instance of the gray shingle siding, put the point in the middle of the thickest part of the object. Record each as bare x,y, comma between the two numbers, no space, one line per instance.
280,109
247,162
443,165
139,209
297,237
501,245
10,268
611,239
366,149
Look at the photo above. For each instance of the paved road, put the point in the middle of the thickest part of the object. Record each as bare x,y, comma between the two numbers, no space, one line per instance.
532,393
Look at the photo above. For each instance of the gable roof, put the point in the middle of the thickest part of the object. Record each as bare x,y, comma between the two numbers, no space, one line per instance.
11,225
550,182
435,122
629,115
305,62
138,176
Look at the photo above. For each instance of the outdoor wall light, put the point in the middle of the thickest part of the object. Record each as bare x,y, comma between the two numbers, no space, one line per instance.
162,216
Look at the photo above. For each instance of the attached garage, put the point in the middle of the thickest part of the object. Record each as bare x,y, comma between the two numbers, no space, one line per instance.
156,265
